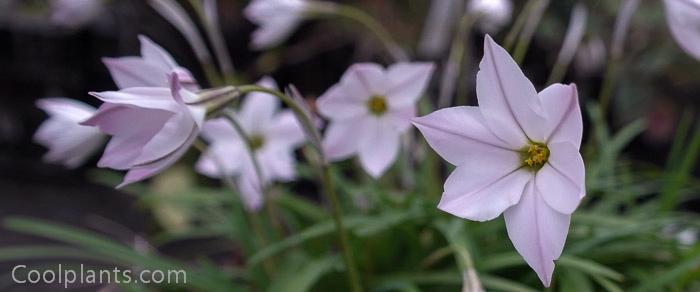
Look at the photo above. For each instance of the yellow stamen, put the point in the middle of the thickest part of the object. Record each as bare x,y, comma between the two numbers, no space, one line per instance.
256,142
535,156
377,105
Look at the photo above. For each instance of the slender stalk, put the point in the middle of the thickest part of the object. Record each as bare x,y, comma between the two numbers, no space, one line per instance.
528,31
326,180
207,13
624,16
574,34
268,264
606,89
371,24
256,164
518,26
452,68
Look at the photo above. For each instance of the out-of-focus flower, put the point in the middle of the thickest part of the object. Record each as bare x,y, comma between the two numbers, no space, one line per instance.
437,31
369,109
151,127
150,70
75,13
178,17
517,154
492,14
277,20
273,136
69,142
591,57
683,17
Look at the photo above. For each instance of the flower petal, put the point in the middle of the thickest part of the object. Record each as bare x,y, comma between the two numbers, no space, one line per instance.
66,108
277,20
219,130
537,231
278,164
683,19
127,141
174,133
507,99
143,97
564,120
340,104
557,190
400,119
561,182
459,134
378,148
285,130
144,171
250,192
406,83
341,139
220,158
135,72
363,80
258,108
482,191
155,54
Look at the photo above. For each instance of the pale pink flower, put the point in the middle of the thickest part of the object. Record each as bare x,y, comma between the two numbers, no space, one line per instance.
369,109
274,135
683,17
277,19
68,142
151,69
516,154
151,128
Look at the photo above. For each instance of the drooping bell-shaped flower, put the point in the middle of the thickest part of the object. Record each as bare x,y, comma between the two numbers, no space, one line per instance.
68,142
151,127
369,109
516,154
683,18
277,19
151,69
273,137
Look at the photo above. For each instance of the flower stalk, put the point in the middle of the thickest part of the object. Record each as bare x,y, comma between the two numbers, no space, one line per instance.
455,60
361,17
326,180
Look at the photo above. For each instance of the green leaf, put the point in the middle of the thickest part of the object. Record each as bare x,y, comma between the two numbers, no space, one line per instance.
301,206
589,267
669,276
574,281
315,231
297,278
500,284
110,251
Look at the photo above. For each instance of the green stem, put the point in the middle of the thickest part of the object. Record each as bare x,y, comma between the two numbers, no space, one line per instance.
326,179
533,19
455,60
371,24
217,39
606,88
269,263
518,26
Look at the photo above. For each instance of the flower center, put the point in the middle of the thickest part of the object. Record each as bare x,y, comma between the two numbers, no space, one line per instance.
256,142
535,155
377,105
